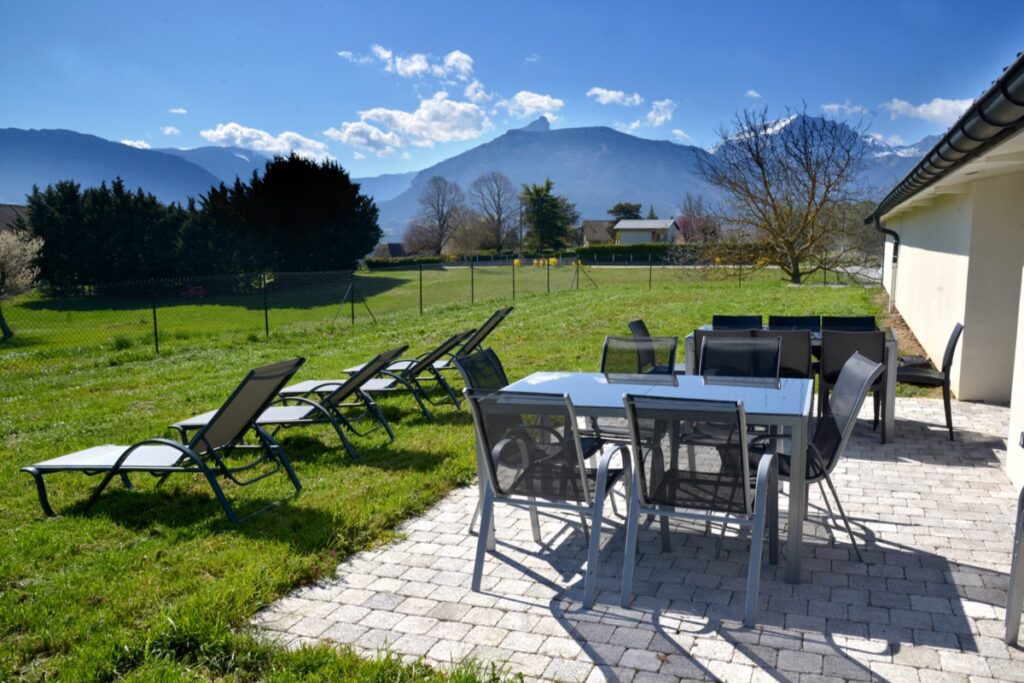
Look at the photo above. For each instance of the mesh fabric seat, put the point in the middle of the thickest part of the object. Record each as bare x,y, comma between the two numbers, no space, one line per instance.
639,355
706,483
638,328
533,457
736,322
849,323
700,335
205,453
482,371
836,348
920,375
474,341
832,431
811,323
794,351
750,357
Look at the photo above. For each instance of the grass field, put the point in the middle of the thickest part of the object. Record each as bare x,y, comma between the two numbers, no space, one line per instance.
154,584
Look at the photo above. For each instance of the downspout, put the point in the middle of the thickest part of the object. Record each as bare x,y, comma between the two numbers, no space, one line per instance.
895,257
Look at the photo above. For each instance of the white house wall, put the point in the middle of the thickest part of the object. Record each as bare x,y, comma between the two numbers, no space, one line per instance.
1014,453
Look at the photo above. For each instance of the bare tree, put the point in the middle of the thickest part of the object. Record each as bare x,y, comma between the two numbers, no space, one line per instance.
441,205
471,232
783,181
497,202
18,271
696,222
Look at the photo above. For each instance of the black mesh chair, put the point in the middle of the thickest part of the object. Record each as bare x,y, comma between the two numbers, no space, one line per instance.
923,376
836,348
794,351
482,371
812,323
533,458
709,483
736,322
750,357
700,335
638,328
832,432
849,323
639,355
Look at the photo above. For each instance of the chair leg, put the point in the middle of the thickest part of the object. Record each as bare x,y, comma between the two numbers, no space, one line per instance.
44,501
476,516
842,512
754,570
948,407
534,522
594,546
876,397
485,538
666,543
629,552
828,507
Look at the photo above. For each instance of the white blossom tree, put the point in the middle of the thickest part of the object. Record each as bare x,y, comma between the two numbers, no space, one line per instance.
18,271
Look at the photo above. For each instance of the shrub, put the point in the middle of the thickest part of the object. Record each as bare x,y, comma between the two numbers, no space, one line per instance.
372,262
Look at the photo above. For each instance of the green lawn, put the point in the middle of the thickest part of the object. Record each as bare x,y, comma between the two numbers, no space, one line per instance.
154,583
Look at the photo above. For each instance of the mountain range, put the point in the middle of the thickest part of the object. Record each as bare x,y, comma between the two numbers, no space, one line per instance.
595,167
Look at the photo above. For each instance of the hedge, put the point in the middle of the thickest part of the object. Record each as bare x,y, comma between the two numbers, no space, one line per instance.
623,252
385,262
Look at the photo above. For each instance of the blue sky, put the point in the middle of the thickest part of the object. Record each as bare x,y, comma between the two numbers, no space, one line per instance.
396,86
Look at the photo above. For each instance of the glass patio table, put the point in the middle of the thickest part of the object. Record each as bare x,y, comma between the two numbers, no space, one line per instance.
782,403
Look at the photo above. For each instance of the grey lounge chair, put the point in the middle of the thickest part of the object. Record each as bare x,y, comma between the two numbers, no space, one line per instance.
532,458
710,483
473,342
409,374
319,403
203,454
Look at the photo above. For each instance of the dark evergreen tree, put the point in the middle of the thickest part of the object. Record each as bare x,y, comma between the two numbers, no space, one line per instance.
549,217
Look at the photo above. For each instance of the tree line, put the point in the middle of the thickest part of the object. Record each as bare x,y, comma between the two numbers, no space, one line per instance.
299,215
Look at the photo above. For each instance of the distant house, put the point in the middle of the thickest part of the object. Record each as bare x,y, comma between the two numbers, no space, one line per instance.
645,231
597,232
389,250
10,213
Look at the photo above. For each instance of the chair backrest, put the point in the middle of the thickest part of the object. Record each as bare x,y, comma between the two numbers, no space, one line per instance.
367,372
849,323
245,403
482,371
531,445
837,347
638,328
834,428
795,322
736,322
427,360
750,357
947,357
639,355
712,476
482,332
700,335
794,351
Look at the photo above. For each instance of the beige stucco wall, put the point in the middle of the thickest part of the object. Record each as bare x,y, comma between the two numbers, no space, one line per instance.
634,236
1014,453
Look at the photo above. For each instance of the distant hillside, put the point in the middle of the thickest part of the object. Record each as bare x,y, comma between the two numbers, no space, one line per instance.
43,157
387,186
226,163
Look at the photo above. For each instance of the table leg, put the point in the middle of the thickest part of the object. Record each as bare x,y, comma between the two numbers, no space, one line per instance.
889,419
797,501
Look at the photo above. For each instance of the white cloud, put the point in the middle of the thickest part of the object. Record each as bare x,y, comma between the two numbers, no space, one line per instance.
456,63
605,96
358,156
138,144
525,103
261,141
178,110
844,109
381,53
437,119
532,58
406,156
365,136
661,112
752,94
354,57
939,110
414,65
170,130
475,92
680,134
891,140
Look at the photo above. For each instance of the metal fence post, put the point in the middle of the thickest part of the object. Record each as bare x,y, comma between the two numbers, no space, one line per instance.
577,278
152,300
513,281
421,289
549,274
266,313
650,271
352,298
472,284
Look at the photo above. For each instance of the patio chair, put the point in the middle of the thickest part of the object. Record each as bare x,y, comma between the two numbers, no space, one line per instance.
836,348
311,402
794,351
750,357
812,323
409,374
473,342
736,322
205,453
923,376
700,335
533,458
1015,590
832,432
639,355
710,484
849,323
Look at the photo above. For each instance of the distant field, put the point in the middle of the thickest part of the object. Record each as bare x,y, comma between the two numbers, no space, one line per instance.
154,584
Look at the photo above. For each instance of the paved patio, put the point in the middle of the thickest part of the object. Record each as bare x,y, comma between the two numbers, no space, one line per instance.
929,604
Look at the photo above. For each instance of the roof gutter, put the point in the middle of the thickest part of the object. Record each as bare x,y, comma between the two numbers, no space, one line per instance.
995,116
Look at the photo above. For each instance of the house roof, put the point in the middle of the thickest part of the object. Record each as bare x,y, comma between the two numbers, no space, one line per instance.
993,118
658,224
597,231
10,212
